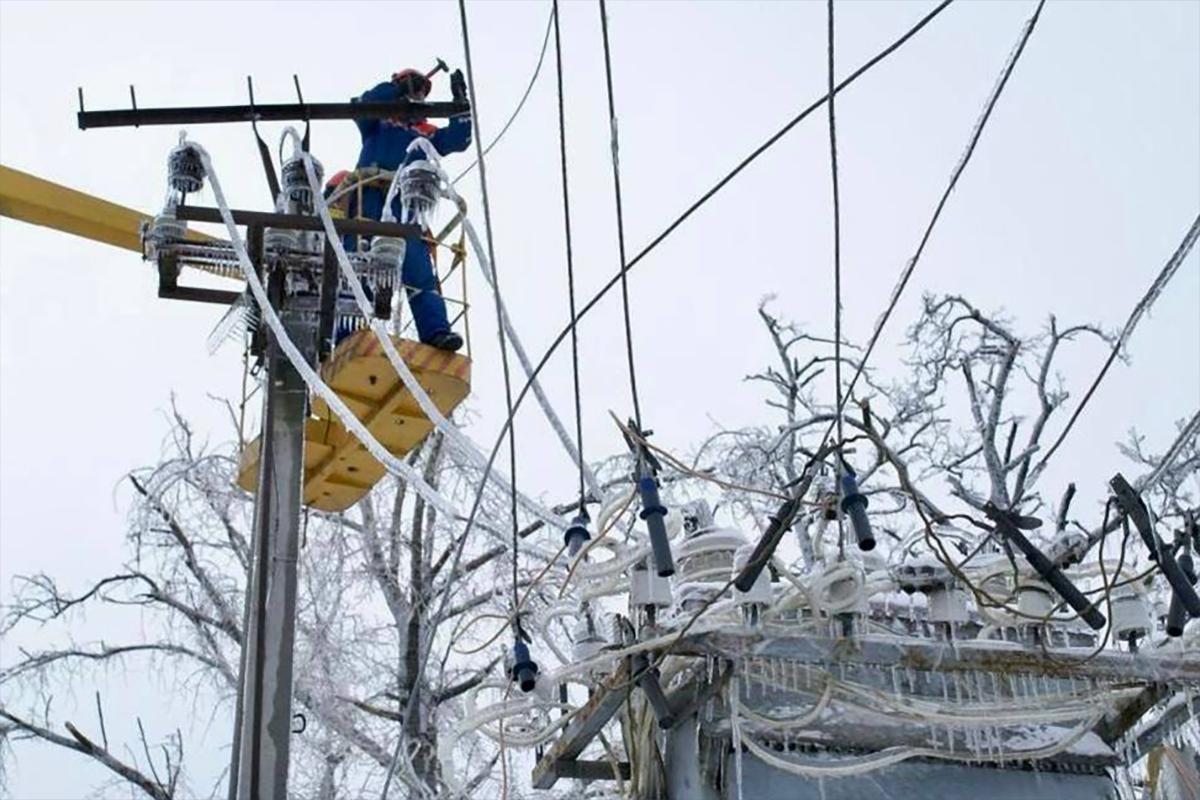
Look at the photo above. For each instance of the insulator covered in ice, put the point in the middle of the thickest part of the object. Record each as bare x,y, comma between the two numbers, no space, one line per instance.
921,574
1130,614
840,589
280,240
420,186
697,516
759,594
588,639
706,555
947,604
1034,599
387,252
647,587
294,183
165,228
185,170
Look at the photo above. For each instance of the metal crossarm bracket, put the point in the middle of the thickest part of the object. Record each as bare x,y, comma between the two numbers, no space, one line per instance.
560,760
279,112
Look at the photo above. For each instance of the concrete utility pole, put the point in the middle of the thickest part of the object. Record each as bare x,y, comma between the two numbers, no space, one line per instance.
259,766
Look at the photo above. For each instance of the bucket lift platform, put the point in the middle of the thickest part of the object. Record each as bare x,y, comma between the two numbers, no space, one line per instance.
338,470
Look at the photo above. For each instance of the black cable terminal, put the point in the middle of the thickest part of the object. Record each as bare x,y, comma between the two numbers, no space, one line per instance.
648,682
854,504
577,534
780,523
653,511
1177,614
1134,507
524,668
1009,525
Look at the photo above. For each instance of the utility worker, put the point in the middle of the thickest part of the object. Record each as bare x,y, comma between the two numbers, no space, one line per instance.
385,146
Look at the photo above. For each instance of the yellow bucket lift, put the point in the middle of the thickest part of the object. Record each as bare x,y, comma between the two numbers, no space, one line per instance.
338,470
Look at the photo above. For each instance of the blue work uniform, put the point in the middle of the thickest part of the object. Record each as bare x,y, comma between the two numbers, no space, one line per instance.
385,145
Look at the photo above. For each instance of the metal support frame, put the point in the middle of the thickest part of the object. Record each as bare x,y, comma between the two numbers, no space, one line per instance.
560,760
300,222
279,112
259,764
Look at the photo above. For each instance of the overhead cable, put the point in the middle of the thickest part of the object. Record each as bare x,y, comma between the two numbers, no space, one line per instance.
1139,310
837,280
491,247
616,168
670,229
566,193
520,104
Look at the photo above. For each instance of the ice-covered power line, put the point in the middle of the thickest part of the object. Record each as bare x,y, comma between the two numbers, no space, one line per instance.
520,103
612,282
566,195
1143,305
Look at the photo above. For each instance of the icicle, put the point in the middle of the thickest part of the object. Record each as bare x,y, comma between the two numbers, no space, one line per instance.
736,729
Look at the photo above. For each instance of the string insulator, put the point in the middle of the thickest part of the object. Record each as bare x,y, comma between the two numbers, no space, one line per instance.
185,170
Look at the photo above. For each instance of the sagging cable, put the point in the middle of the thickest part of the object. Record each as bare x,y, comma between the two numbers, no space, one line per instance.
1135,509
1009,525
485,266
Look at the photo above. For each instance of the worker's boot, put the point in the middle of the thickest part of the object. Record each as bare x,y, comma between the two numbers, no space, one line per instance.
446,340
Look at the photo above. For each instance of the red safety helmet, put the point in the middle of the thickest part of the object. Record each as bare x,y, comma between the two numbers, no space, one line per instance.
412,83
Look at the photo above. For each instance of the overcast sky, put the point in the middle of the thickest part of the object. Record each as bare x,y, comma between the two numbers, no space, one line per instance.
1083,185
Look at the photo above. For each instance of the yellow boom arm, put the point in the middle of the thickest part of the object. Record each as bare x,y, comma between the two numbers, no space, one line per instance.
40,202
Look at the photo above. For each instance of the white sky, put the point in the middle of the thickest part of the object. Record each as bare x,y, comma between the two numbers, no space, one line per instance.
1083,184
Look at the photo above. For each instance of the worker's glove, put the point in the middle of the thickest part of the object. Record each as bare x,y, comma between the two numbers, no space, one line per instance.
458,86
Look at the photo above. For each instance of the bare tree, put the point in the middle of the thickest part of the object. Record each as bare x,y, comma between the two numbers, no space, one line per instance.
960,429
371,580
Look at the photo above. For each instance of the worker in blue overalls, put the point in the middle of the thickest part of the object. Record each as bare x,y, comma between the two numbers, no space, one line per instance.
385,146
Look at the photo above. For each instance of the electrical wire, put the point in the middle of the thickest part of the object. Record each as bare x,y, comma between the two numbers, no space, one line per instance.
562,146
520,104
487,219
978,130
616,166
1143,305
837,284
558,340
907,273
562,335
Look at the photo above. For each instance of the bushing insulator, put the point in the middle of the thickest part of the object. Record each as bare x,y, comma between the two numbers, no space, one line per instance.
854,504
524,668
577,534
654,512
